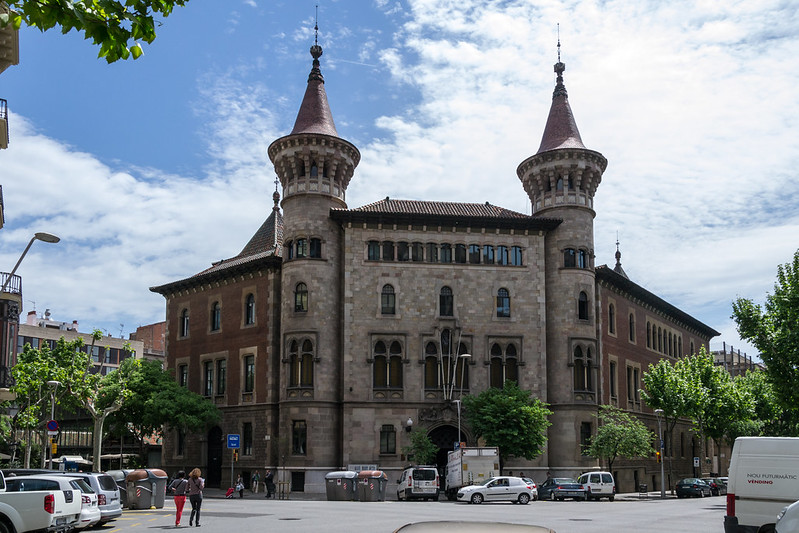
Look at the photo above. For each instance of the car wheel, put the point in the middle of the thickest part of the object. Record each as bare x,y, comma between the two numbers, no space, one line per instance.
5,528
768,528
524,499
611,498
477,498
552,496
701,494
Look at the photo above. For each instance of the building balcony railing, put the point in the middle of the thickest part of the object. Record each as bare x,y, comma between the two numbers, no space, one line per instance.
12,285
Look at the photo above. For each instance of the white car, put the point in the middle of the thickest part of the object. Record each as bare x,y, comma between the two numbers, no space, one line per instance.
500,488
90,513
788,519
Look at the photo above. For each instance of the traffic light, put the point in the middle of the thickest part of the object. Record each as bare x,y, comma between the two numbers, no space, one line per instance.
657,455
235,455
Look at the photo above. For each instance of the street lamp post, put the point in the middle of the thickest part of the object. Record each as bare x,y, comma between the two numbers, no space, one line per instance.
659,413
44,237
55,385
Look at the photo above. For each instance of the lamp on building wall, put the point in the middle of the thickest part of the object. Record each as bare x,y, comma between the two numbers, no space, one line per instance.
44,237
409,424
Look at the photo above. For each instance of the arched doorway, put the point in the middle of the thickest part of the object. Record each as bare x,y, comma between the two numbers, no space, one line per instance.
214,469
444,437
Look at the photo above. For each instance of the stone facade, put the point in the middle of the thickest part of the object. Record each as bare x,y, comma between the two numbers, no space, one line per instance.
373,318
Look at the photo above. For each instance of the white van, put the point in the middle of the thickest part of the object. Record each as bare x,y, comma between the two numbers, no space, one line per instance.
764,478
598,485
418,483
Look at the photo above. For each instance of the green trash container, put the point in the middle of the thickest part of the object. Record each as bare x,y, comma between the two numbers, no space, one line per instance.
140,490
372,485
341,486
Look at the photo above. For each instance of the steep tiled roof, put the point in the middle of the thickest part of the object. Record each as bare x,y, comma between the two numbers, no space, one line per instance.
608,276
416,211
314,115
561,129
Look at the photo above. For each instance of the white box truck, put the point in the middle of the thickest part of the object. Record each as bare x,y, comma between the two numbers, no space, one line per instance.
469,466
763,478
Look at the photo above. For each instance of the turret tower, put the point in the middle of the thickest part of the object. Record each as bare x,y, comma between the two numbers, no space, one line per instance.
561,179
314,166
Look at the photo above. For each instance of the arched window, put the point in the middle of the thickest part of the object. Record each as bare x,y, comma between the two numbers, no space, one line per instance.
388,251
474,254
431,366
671,344
446,302
316,248
611,319
583,378
294,364
446,253
314,169
387,300
306,368
582,306
503,303
302,248
184,323
679,347
502,255
373,251
290,249
460,253
692,348
395,365
216,316
660,340
380,369
648,335
503,365
249,309
403,251
488,254
582,259
432,252
301,298
559,184
632,327
516,256
569,258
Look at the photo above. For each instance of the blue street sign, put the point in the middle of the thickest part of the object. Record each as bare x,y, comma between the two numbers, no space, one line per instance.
233,441
52,425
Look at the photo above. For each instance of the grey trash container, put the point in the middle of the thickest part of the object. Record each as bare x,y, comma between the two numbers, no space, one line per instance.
372,485
119,478
146,488
341,486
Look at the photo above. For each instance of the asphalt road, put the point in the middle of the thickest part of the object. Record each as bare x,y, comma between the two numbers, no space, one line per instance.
254,513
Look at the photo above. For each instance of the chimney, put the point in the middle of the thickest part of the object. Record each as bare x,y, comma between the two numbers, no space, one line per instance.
31,319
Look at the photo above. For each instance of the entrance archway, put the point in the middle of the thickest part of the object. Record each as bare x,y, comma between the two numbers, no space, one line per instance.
214,468
444,437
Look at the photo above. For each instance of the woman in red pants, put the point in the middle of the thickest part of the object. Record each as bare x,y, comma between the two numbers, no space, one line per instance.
178,488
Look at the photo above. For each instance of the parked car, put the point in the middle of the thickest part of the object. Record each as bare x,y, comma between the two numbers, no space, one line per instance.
717,487
418,482
108,497
51,505
560,488
692,486
598,485
71,488
534,485
788,519
89,513
499,488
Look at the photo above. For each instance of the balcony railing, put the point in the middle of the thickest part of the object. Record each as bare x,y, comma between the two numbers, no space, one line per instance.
14,285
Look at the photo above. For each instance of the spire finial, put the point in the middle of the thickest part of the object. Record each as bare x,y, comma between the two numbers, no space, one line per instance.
316,51
276,195
618,253
560,88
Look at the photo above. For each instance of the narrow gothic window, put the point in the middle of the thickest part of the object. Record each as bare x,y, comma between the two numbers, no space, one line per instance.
503,365
488,254
306,371
403,251
302,248
516,256
380,368
184,323
582,259
503,303
431,366
611,319
460,253
632,327
249,373
221,376
373,251
301,297
388,251
290,249
569,258
432,252
183,375
612,379
299,437
446,253
316,248
502,255
395,365
249,309
582,306
216,317
585,437
474,254
417,251
208,378
446,303
387,300
648,335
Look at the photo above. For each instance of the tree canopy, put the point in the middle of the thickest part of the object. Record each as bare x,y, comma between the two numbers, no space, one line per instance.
510,419
774,330
619,435
421,450
116,26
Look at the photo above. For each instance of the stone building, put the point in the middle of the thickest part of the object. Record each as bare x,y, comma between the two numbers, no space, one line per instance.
336,329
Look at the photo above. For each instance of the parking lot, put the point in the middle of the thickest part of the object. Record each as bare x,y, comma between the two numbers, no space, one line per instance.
627,513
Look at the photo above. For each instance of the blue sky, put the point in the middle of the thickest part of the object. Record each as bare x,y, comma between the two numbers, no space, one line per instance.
149,170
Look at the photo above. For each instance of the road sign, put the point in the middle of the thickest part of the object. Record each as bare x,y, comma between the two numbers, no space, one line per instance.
233,441
696,462
52,425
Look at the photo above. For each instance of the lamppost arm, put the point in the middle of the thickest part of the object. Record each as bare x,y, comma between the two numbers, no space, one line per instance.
45,237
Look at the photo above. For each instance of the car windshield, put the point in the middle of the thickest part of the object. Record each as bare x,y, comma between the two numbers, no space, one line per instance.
565,480
81,485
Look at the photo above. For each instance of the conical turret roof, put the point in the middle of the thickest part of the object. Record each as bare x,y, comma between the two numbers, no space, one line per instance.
314,115
561,129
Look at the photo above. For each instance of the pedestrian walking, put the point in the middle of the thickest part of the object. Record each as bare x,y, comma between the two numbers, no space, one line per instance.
256,480
178,487
269,481
240,486
196,486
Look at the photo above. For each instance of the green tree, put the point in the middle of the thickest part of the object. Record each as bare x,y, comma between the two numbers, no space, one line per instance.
619,435
774,330
510,419
79,386
156,401
421,450
768,420
111,24
665,388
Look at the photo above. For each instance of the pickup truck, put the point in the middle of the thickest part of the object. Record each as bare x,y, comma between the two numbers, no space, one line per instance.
50,508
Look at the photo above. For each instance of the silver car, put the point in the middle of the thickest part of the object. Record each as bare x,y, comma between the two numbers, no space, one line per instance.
108,499
500,488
